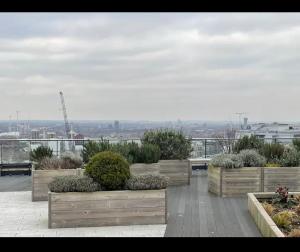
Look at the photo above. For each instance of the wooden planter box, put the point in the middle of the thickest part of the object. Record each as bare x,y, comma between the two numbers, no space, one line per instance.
41,179
107,208
284,176
264,222
178,171
239,182
234,182
144,169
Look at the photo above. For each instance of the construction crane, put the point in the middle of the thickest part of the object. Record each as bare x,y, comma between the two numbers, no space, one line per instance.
67,125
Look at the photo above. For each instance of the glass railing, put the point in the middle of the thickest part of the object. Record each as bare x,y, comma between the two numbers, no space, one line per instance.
18,150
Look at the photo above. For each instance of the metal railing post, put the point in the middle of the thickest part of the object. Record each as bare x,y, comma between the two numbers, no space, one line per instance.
205,147
1,153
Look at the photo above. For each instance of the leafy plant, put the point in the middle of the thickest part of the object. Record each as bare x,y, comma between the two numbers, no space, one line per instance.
252,142
109,169
149,153
70,161
294,233
227,161
269,208
296,144
290,157
251,158
283,219
130,151
282,197
272,151
147,182
297,209
73,183
92,147
40,152
49,163
172,144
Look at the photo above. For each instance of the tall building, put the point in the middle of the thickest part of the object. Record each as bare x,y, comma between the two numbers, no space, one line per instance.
35,134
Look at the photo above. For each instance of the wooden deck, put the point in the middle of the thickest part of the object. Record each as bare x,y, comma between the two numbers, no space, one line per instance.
194,212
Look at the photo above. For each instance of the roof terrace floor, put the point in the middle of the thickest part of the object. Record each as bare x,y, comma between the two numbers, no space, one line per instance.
195,212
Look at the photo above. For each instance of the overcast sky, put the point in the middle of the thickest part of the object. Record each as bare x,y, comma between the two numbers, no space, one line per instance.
150,66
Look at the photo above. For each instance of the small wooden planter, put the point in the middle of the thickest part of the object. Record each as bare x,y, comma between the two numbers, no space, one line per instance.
264,222
107,208
178,171
144,169
41,179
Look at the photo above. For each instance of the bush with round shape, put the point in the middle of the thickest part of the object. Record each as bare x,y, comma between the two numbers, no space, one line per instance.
228,161
40,152
147,182
73,183
109,169
251,158
290,157
149,153
172,144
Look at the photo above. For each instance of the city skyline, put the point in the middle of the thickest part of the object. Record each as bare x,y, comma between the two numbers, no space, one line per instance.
150,66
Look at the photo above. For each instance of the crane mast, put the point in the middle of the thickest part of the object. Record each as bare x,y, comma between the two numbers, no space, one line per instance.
67,125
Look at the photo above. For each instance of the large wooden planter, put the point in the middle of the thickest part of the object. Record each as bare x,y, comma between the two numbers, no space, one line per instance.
178,171
234,182
41,179
144,169
107,208
264,222
239,182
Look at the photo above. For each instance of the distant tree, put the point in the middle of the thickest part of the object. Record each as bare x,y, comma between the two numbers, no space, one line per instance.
226,141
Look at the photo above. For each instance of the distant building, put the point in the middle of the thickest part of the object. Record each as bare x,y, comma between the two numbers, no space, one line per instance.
51,135
35,134
281,132
117,125
79,136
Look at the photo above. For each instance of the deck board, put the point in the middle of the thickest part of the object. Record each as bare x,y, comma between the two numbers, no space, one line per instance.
194,212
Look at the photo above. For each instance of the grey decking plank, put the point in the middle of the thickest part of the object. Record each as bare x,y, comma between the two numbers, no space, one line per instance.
196,212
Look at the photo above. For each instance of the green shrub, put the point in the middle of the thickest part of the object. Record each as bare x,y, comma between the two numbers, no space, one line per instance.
147,182
70,161
290,157
73,183
40,152
109,169
251,158
172,144
130,151
227,161
272,151
149,153
92,147
252,142
296,144
49,163
283,219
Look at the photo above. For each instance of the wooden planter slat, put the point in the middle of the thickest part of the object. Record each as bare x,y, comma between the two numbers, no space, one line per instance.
41,179
107,208
238,182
